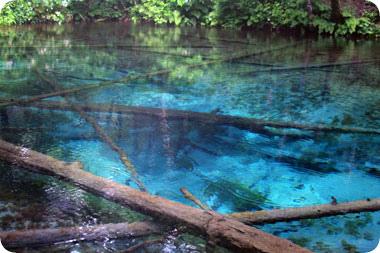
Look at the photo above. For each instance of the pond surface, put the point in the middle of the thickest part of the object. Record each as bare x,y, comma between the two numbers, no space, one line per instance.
279,78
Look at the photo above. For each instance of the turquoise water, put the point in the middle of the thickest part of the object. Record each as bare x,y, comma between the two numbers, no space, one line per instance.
227,168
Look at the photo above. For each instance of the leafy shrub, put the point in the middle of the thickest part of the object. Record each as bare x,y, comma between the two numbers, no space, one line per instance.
98,9
225,13
34,11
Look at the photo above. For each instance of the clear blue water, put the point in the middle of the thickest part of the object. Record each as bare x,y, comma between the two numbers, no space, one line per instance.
227,168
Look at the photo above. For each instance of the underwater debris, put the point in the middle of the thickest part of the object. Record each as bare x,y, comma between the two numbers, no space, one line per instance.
368,236
216,111
334,201
301,241
374,172
305,163
352,227
322,247
348,247
185,162
235,193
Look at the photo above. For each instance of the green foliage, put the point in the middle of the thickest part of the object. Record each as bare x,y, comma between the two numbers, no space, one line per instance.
83,10
34,11
292,14
226,13
160,12
173,11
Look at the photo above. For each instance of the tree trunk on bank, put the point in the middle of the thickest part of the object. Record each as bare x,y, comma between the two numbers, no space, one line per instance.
224,231
336,13
309,8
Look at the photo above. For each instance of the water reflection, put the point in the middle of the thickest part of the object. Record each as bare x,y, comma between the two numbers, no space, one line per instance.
284,79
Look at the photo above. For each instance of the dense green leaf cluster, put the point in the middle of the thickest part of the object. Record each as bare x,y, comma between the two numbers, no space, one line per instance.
273,14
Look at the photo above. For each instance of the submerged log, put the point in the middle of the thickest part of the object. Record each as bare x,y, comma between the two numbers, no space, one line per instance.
311,67
224,231
132,78
250,124
101,133
308,212
40,237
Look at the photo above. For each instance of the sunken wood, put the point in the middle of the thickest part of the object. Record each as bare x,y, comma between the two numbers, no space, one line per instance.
124,80
250,124
188,195
99,130
224,231
40,237
308,212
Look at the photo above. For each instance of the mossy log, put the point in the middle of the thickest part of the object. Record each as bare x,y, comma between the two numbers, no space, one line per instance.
308,212
224,231
129,78
250,124
40,237
100,131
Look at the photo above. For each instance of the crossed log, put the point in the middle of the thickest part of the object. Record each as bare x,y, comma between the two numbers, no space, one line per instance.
227,230
222,230
100,131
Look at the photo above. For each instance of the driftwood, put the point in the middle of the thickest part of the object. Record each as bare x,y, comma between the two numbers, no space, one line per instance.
101,133
39,237
188,195
308,212
250,124
224,231
131,78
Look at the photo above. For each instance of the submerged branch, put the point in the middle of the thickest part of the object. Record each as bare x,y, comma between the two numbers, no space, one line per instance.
250,124
133,77
308,212
311,67
101,133
188,195
40,237
227,232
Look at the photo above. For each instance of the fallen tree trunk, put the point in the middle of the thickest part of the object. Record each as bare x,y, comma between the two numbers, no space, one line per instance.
101,133
40,237
131,78
250,124
223,231
308,212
